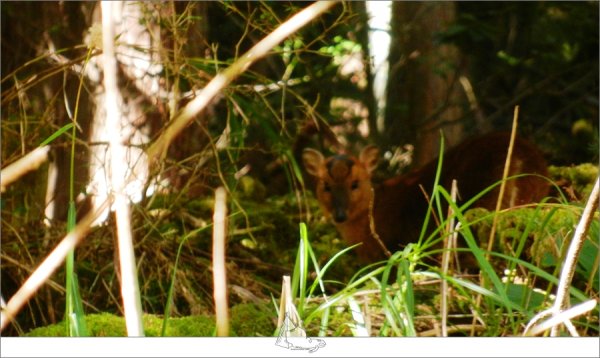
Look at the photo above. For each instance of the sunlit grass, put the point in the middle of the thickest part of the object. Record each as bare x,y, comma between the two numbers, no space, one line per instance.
388,298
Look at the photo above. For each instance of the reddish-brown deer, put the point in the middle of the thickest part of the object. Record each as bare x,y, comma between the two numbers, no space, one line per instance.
395,209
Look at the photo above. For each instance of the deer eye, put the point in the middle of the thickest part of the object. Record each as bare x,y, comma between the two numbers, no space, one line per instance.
327,188
354,185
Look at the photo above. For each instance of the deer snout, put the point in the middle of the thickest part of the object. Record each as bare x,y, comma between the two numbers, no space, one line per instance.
339,215
339,204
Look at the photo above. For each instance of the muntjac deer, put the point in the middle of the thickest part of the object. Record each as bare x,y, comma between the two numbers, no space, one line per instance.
396,208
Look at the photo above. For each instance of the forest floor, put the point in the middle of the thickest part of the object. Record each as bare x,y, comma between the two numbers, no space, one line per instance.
173,250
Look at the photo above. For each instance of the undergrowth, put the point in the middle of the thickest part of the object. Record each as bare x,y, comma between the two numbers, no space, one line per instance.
398,297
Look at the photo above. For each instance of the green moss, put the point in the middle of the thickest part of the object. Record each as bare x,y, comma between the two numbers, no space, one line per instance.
106,325
339,324
190,326
251,188
247,320
152,325
579,178
54,330
99,325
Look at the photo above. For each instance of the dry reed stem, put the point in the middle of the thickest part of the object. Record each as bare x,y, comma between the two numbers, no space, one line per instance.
130,291
31,161
449,239
219,268
513,134
511,145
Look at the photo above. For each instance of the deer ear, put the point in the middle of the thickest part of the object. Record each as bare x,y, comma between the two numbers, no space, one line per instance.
369,156
313,160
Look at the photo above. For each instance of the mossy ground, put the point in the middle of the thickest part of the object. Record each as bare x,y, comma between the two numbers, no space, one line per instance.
247,320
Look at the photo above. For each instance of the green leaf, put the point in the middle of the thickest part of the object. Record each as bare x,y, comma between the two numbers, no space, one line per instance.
57,134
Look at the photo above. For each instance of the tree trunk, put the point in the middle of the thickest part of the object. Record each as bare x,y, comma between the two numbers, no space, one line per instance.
423,89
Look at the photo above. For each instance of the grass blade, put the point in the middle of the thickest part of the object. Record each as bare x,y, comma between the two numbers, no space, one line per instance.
57,134
74,311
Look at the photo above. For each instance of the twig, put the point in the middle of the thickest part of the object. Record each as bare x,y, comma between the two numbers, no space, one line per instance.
372,228
48,266
219,269
564,317
448,241
511,144
31,161
490,246
221,80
